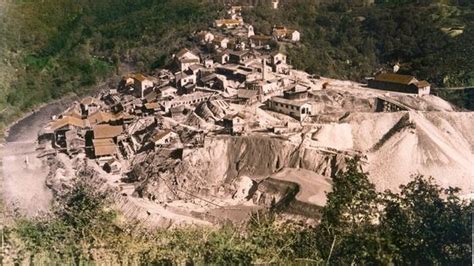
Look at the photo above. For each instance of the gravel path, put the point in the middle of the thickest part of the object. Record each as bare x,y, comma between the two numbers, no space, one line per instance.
22,174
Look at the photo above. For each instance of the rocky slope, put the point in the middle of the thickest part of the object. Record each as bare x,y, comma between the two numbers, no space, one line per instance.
396,145
223,160
401,144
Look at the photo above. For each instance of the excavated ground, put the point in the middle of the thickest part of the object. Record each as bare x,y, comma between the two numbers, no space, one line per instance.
222,180
395,145
228,177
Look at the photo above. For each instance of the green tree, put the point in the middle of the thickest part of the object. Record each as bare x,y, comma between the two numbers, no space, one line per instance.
348,231
428,224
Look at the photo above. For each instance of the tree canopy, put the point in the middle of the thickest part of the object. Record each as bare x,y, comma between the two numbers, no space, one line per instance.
422,224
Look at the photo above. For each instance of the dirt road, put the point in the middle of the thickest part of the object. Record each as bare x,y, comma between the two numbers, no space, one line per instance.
313,187
22,174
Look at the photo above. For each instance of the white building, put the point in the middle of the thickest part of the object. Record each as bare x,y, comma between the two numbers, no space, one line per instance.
167,91
205,37
424,87
294,35
222,57
234,123
250,31
278,58
185,58
142,85
208,63
185,78
221,42
294,108
275,4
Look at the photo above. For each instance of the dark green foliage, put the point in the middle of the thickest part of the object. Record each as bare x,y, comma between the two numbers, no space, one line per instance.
423,224
82,229
347,232
462,98
353,199
428,224
350,40
58,47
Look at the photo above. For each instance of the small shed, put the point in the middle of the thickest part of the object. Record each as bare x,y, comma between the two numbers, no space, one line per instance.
164,137
234,123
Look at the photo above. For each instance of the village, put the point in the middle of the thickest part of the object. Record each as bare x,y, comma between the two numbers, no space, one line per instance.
232,83
229,71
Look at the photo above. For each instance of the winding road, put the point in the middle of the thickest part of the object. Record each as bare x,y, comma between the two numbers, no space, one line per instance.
23,175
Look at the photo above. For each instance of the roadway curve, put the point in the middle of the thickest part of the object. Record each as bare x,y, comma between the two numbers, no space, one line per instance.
23,183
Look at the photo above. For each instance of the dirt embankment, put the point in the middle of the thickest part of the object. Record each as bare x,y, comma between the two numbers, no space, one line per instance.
401,144
23,174
397,145
222,160
431,144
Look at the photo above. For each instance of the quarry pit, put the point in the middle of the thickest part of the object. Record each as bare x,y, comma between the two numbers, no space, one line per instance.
206,177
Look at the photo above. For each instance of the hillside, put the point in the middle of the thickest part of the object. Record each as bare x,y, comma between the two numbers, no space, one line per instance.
230,161
346,40
62,47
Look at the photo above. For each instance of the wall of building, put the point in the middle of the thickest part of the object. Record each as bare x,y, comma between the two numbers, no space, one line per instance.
382,85
294,111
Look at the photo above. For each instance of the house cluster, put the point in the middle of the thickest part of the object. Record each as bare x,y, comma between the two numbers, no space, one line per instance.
282,33
229,64
233,33
110,128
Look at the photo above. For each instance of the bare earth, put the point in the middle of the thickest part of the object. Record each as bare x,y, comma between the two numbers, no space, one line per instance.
313,186
23,174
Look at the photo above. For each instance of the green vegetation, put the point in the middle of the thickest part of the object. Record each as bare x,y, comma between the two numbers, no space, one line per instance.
423,224
60,47
351,41
463,98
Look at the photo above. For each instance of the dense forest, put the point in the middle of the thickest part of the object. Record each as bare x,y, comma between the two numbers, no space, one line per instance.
352,42
430,39
60,47
421,225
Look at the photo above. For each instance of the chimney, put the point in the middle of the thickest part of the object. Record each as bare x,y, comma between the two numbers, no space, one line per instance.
396,67
264,69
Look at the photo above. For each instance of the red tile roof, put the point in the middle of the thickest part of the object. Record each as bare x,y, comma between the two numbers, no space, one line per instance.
104,147
106,131
67,120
